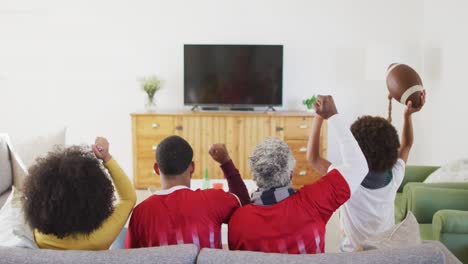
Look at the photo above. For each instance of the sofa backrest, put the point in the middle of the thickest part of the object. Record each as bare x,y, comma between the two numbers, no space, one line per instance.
169,254
416,174
425,253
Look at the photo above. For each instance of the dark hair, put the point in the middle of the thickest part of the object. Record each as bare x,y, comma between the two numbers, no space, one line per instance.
68,192
378,140
173,155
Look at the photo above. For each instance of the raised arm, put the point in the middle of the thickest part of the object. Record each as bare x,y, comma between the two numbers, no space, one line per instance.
354,165
236,185
407,134
112,226
320,164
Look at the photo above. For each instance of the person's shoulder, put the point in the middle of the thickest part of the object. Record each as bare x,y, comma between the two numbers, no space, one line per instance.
399,167
399,164
398,172
244,211
218,195
148,202
213,192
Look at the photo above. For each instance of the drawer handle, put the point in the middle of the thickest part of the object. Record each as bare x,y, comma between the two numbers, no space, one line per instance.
179,128
303,173
303,126
154,147
278,129
303,149
155,125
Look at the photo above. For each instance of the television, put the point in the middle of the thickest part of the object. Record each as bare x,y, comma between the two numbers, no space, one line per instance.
233,75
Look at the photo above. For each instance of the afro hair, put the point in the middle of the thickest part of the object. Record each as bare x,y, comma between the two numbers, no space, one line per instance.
68,192
378,140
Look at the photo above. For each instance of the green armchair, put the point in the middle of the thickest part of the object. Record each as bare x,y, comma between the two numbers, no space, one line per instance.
440,208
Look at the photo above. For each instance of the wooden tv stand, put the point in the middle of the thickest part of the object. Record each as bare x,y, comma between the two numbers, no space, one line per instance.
240,131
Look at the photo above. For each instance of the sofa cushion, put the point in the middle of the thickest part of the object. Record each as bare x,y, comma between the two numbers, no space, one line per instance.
168,254
14,232
404,234
425,253
6,176
30,148
25,151
456,171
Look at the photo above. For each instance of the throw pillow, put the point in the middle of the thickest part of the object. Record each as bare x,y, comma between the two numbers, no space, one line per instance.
6,177
456,171
28,150
14,232
404,234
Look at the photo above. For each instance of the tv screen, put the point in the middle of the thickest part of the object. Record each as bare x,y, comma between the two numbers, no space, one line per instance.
235,75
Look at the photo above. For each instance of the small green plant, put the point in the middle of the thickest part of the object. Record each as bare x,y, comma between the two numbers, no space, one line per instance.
309,103
151,85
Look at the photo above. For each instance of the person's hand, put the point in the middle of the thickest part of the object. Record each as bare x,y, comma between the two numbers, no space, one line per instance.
219,153
101,149
409,110
325,106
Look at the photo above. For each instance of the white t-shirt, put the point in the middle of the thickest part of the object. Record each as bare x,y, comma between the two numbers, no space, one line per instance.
369,211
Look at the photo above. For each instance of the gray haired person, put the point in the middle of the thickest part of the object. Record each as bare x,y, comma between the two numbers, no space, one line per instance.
283,220
272,163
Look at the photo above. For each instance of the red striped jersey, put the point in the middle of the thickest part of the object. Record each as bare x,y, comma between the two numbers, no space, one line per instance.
295,225
181,216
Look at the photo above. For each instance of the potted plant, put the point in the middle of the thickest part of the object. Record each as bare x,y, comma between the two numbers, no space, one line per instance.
151,84
309,103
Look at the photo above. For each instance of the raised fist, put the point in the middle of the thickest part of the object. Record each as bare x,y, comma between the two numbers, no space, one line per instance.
219,153
325,106
101,149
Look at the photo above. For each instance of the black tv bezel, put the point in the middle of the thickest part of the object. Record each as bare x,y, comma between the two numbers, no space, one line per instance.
238,105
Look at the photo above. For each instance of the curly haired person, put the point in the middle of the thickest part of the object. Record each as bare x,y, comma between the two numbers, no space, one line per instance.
69,198
371,208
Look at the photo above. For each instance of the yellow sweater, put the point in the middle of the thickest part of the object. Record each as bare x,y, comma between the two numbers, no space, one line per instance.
102,238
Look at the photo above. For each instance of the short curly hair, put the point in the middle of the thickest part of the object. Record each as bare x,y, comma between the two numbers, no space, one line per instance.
174,155
67,192
378,140
271,164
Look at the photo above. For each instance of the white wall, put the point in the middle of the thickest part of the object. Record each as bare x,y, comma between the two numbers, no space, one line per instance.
444,122
75,63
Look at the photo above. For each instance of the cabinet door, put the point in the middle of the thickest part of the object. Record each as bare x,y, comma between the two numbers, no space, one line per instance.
148,131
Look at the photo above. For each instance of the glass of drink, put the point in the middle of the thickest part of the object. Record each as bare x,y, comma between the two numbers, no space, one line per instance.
218,185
